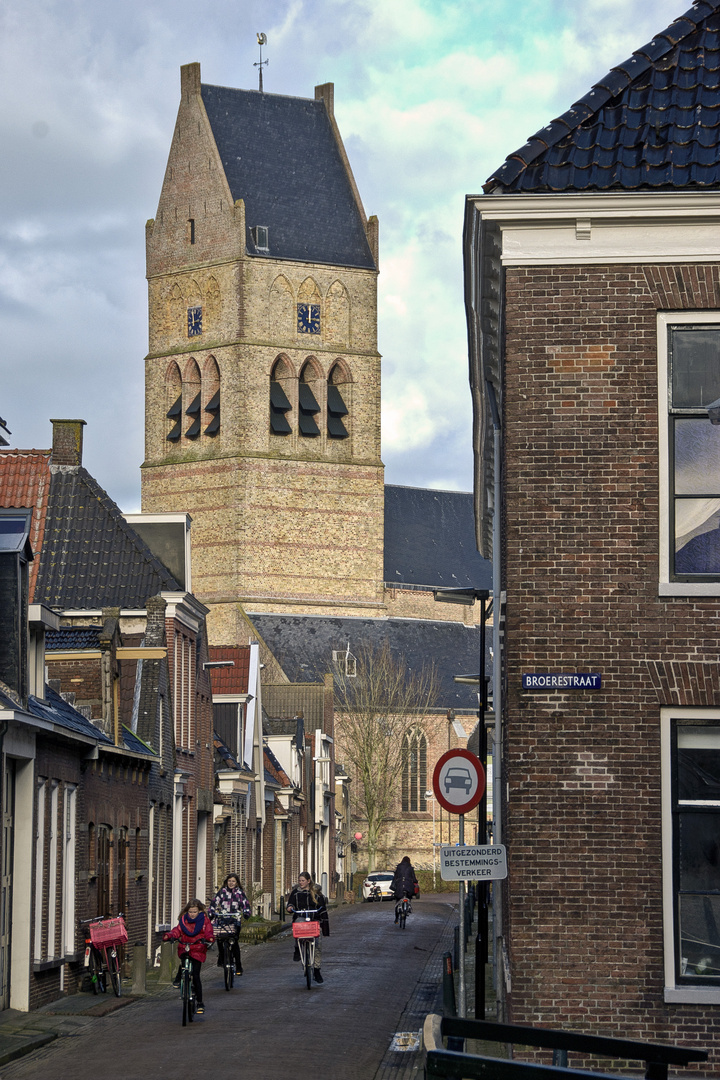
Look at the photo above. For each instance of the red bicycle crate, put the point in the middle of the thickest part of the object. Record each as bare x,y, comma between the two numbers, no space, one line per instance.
109,932
306,929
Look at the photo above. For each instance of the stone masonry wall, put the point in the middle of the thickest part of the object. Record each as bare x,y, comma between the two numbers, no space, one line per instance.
584,914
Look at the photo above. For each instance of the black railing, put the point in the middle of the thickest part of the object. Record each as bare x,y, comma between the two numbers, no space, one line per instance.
440,1062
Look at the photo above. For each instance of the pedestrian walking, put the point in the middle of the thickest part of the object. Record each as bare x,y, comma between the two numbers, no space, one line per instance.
404,882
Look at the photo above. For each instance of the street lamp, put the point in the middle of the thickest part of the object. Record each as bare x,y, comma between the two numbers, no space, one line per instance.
429,795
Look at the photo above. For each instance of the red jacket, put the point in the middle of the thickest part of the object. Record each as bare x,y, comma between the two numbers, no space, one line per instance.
198,942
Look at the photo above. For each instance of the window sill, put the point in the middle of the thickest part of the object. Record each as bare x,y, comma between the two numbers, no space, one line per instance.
692,995
56,962
689,588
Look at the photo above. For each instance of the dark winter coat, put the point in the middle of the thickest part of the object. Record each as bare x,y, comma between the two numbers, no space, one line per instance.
404,881
198,935
230,901
303,900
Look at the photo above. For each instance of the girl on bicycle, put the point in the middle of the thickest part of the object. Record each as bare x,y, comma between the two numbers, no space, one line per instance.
230,899
404,882
307,896
193,929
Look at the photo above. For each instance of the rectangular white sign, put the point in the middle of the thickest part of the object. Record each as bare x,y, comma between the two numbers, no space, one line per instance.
473,863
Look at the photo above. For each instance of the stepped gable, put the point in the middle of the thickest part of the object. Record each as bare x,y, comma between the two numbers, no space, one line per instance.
430,540
303,645
652,122
25,484
267,140
91,558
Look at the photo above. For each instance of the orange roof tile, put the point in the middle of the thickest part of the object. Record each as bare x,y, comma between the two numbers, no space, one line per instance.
230,680
25,483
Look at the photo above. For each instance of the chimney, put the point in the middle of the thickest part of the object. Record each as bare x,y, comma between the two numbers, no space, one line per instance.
67,444
155,626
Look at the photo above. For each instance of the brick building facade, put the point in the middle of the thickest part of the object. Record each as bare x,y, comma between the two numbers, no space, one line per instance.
594,316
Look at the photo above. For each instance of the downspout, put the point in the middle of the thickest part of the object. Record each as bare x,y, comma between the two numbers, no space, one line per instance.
497,691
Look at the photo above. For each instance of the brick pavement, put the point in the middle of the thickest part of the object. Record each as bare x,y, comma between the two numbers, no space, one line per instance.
378,981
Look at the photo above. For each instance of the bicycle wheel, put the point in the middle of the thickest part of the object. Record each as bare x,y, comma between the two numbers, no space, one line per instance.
310,961
229,966
403,916
185,989
97,973
113,963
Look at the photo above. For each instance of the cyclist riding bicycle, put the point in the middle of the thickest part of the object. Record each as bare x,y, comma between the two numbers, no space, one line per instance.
403,882
306,896
230,899
193,929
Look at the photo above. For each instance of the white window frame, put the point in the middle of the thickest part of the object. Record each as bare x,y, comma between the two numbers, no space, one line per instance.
699,995
666,587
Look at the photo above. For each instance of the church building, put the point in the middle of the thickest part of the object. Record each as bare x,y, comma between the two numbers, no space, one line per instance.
263,412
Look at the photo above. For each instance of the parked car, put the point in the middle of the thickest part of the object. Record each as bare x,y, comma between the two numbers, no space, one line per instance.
381,879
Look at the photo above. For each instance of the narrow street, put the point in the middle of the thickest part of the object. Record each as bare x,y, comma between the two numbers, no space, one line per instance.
378,980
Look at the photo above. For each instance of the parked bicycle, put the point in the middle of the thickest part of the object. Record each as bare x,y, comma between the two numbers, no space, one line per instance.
104,935
306,930
227,927
403,908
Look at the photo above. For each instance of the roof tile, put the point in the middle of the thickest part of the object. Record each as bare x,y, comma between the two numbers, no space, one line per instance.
654,121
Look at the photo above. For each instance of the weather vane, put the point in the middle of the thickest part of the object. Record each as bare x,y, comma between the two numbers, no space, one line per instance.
261,40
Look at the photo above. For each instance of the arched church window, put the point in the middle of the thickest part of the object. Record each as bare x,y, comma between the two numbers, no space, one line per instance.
307,400
280,404
414,771
173,401
211,396
338,393
192,399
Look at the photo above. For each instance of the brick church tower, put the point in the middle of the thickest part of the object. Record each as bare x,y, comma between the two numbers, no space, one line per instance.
263,377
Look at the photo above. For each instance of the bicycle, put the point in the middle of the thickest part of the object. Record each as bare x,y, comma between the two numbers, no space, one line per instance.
227,926
403,908
187,988
101,951
306,930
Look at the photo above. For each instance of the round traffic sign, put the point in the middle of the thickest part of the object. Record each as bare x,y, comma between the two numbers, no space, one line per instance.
459,781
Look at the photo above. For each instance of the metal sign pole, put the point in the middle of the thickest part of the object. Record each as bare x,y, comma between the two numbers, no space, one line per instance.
461,901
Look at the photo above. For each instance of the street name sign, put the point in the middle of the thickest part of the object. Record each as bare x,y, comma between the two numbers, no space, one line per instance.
459,781
571,680
486,863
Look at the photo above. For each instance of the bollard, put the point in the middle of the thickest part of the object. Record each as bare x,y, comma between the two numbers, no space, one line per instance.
448,986
139,970
168,963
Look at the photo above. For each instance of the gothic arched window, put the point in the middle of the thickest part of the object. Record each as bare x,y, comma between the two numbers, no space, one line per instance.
281,380
414,770
338,396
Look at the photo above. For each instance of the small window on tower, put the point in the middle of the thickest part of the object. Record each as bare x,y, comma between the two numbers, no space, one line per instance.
260,237
191,230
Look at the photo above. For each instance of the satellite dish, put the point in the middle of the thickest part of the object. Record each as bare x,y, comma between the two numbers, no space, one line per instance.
262,39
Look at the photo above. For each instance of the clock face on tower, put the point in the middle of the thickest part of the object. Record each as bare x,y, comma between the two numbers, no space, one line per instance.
194,321
308,318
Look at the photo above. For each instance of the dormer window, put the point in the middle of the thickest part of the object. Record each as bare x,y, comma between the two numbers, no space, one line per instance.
260,237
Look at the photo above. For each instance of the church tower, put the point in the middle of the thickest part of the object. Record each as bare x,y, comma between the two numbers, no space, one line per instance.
262,410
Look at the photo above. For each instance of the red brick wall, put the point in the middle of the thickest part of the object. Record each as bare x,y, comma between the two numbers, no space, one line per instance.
584,916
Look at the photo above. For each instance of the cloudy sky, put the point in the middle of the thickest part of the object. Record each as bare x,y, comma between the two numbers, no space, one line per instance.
430,96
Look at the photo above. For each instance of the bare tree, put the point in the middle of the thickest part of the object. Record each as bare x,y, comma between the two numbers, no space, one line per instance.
376,705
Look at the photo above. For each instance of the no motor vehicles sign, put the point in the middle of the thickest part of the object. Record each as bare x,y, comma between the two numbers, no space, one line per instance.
459,781
473,863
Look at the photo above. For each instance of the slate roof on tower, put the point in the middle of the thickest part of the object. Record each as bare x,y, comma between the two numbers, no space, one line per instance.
430,539
281,157
652,122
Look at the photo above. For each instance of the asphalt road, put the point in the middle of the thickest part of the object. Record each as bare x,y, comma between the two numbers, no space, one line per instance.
270,1027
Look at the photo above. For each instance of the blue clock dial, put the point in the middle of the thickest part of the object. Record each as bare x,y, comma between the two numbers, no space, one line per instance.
308,318
194,321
